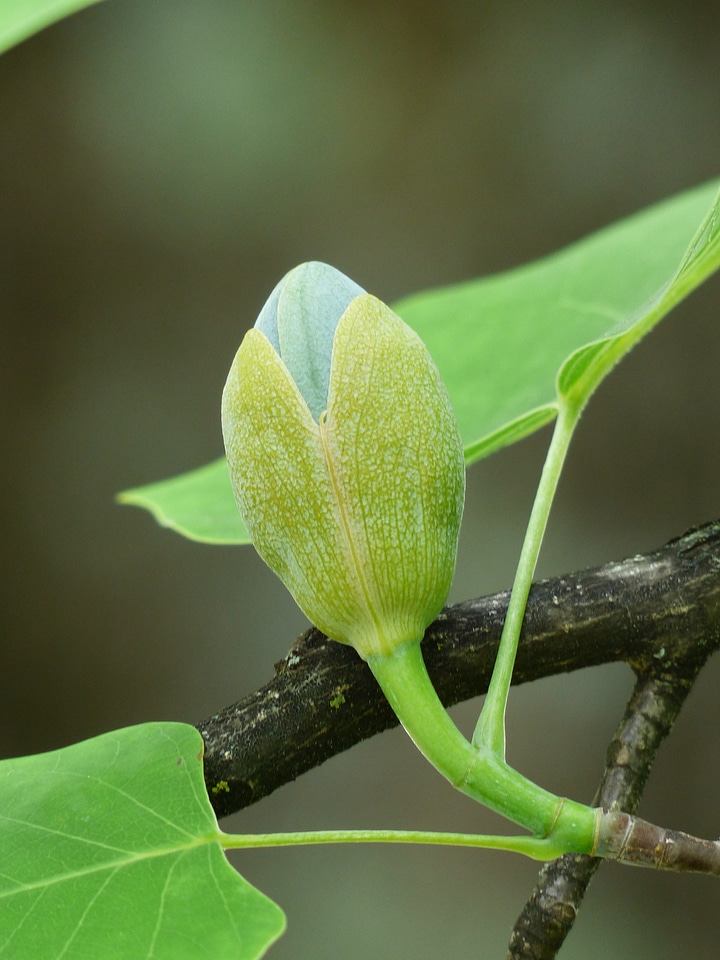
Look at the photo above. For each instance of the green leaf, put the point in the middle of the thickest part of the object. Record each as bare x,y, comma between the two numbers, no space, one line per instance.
512,347
20,19
502,342
110,849
200,505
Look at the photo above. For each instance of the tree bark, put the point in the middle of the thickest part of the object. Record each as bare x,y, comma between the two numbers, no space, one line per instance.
660,613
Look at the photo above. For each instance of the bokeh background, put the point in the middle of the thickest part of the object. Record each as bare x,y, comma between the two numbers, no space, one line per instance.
162,164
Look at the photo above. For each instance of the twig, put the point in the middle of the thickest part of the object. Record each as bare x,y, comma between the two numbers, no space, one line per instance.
550,912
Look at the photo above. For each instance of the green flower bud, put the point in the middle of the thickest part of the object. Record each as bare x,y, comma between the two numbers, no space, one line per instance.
346,460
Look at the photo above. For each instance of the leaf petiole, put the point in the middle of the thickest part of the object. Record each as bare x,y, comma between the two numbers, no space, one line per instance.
536,848
490,730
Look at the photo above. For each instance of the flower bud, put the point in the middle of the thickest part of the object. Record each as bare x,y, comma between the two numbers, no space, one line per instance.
346,461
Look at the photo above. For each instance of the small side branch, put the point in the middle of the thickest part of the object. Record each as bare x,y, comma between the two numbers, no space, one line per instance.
642,844
551,910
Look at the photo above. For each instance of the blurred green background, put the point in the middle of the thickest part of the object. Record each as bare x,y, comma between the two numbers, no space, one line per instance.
162,164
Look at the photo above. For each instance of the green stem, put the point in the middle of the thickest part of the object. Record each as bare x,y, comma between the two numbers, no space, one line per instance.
537,849
477,772
490,730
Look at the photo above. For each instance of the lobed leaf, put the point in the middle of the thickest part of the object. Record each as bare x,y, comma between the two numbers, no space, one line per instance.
512,347
112,850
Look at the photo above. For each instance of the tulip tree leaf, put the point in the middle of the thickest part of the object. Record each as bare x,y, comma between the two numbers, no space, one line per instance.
200,505
504,344
110,849
20,19
513,346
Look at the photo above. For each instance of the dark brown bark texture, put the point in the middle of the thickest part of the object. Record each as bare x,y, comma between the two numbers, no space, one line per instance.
658,612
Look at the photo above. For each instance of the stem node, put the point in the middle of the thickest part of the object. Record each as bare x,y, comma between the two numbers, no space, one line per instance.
629,839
